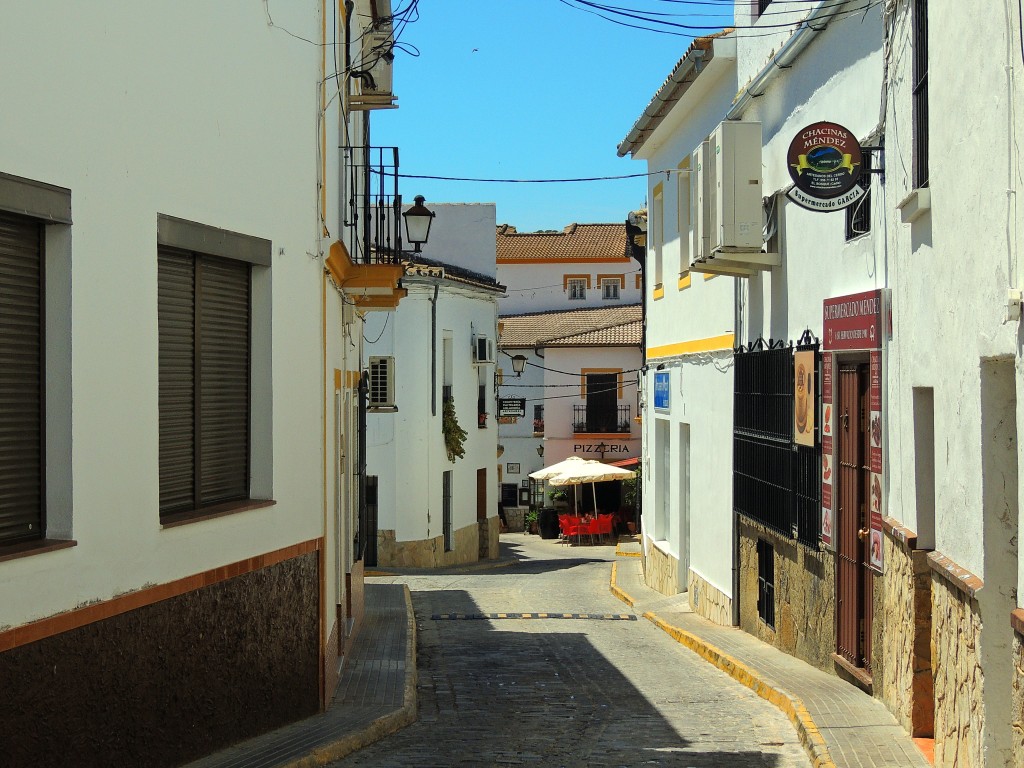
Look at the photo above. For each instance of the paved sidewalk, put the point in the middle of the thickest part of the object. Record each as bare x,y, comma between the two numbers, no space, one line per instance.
839,724
376,695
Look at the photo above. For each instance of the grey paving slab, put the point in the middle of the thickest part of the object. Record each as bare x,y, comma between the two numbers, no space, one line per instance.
857,729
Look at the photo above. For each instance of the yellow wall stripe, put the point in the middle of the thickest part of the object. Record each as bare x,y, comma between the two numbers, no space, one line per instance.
711,344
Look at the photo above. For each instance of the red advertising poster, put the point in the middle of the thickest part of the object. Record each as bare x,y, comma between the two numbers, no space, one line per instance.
875,523
826,404
875,419
803,398
853,322
826,495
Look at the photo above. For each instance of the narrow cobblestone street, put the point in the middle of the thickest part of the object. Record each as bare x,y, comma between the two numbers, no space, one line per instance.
603,688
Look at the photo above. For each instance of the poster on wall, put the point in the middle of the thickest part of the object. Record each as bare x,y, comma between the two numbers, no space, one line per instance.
803,394
826,451
875,459
661,390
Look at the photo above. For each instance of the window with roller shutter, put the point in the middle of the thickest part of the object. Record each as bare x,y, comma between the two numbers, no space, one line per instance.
204,339
22,514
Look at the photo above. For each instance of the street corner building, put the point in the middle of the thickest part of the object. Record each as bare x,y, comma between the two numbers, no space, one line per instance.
830,406
181,544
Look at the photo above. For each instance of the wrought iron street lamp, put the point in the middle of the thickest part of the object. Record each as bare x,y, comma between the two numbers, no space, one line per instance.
417,223
518,364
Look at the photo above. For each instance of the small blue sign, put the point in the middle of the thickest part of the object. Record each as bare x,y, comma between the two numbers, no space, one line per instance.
661,390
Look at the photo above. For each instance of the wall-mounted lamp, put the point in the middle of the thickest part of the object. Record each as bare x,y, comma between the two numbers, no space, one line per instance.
417,223
518,364
540,450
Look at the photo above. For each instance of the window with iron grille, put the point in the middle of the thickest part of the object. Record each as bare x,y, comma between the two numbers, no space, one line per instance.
766,582
610,289
536,493
538,419
920,93
22,379
203,312
858,215
446,509
776,482
577,289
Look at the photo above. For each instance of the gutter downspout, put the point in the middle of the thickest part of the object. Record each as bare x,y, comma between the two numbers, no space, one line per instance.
433,352
791,49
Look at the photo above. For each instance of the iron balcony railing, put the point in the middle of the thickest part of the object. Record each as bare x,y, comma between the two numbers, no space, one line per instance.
605,420
374,206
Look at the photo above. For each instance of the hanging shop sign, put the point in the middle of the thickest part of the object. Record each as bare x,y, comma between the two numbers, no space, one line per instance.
661,390
854,322
803,407
511,407
825,164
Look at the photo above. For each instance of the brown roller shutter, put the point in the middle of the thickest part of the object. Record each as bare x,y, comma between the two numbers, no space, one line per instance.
223,414
204,380
21,377
176,317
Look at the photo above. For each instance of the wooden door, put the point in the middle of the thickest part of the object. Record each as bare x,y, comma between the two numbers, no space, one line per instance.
854,580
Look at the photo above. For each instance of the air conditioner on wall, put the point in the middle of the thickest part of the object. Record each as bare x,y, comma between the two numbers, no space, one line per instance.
483,350
727,209
382,384
374,67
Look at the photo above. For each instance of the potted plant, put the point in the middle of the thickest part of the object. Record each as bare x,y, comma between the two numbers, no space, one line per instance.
531,519
559,499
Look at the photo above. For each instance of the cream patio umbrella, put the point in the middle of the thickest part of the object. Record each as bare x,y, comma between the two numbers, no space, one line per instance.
576,471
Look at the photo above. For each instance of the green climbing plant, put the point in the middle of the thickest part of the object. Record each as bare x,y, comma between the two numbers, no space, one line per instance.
454,435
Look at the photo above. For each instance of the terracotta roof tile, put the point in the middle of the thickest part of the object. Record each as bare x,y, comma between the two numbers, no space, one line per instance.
577,242
601,326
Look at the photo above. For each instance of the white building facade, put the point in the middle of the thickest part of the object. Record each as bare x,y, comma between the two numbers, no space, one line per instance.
175,513
889,555
431,507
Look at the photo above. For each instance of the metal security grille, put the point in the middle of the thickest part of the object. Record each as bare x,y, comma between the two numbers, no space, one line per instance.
858,215
21,379
920,93
382,387
446,509
776,482
766,582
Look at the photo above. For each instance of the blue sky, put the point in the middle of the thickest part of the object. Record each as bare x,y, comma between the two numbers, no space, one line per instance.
527,89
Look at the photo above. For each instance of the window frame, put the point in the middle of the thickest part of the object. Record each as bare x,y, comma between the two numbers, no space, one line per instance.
606,294
46,209
919,91
212,248
576,288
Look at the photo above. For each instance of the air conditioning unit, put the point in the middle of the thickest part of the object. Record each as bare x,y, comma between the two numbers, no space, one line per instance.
701,199
382,384
736,212
483,350
374,68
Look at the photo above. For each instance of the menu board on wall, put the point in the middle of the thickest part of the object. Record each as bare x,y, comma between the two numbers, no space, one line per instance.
827,422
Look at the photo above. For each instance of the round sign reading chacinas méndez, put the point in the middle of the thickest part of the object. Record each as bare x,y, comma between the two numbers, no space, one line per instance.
824,160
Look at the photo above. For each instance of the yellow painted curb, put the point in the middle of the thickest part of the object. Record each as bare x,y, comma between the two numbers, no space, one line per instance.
382,726
792,707
620,553
622,595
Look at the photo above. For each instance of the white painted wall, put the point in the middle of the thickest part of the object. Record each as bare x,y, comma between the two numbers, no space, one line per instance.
540,286
405,450
951,269
164,111
462,234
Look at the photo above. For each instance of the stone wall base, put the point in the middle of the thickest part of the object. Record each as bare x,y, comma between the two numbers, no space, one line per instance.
959,679
903,650
661,570
709,601
805,596
168,682
429,553
1017,700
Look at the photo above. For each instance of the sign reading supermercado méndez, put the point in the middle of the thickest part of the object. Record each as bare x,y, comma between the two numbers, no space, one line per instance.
825,164
853,322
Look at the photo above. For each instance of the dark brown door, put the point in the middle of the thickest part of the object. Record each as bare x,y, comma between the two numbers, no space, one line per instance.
481,494
854,581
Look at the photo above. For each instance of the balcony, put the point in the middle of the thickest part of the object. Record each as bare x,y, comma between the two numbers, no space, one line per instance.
365,262
601,421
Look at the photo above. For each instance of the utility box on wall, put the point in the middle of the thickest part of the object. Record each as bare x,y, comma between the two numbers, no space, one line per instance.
735,209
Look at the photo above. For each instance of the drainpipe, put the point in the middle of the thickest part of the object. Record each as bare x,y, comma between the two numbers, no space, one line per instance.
433,352
791,49
364,393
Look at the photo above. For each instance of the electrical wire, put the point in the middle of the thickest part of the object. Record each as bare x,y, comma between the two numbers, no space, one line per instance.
537,181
